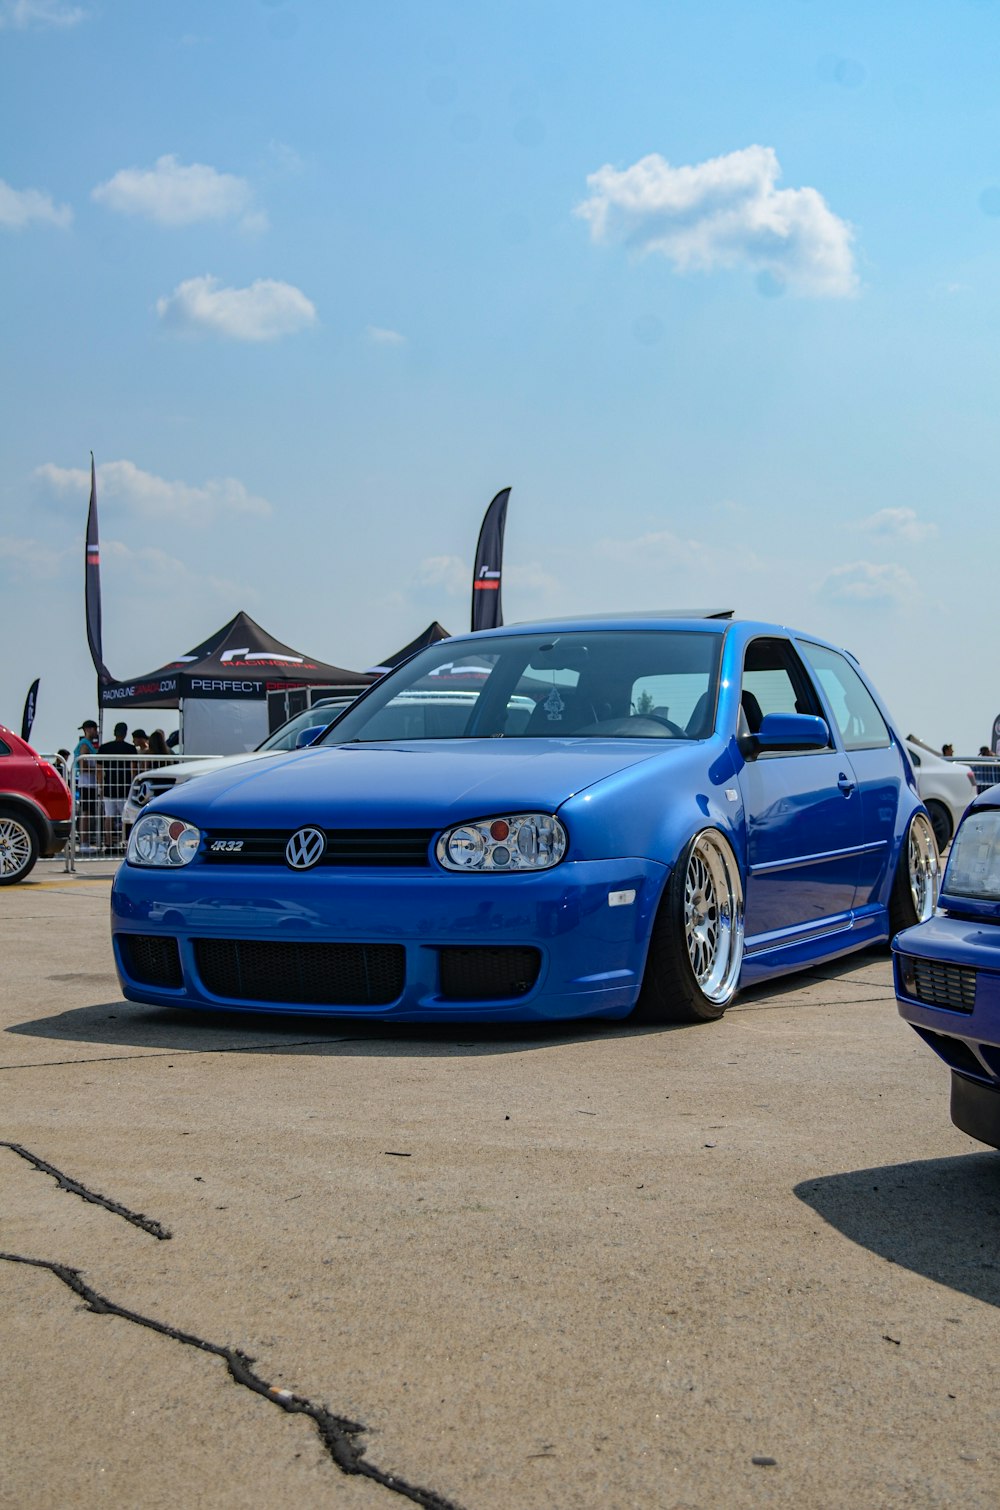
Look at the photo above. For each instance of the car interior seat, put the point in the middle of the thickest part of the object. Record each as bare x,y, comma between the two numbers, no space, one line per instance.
751,711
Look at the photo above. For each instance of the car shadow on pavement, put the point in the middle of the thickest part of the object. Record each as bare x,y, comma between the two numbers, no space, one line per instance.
117,1024
937,1217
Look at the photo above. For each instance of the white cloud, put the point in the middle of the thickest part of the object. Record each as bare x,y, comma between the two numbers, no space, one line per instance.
151,570
448,572
262,312
899,524
151,497
22,14
661,552
174,194
869,582
19,207
27,558
380,336
725,212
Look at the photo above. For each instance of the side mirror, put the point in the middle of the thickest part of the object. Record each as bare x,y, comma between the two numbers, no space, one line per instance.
306,736
792,731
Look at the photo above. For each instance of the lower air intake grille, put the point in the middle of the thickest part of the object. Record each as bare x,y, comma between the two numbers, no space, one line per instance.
938,985
487,974
150,960
314,975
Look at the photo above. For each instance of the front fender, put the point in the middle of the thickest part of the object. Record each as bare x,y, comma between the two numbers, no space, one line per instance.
650,811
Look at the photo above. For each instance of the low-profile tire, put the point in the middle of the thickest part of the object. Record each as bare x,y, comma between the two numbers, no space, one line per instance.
18,847
918,875
940,822
696,947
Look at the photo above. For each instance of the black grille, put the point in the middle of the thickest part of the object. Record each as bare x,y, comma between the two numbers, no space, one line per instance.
939,985
344,846
487,974
318,975
151,960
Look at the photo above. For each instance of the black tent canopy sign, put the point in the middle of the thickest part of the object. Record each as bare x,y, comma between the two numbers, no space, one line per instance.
430,636
239,662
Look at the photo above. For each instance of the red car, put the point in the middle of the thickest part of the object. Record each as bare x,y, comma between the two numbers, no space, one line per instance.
35,808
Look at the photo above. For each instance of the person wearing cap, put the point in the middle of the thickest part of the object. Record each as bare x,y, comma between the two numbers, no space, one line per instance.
86,790
116,778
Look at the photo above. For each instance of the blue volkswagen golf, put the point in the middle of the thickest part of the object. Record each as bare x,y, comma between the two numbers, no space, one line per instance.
582,818
948,972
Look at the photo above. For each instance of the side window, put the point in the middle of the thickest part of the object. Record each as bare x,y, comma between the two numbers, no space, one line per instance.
861,725
774,681
4,747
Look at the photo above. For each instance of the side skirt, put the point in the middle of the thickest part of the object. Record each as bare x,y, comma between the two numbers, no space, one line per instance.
783,956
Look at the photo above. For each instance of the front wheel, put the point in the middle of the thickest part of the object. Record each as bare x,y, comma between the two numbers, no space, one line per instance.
696,947
918,874
18,848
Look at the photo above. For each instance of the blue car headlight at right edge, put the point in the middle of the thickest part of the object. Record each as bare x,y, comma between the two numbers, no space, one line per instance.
513,842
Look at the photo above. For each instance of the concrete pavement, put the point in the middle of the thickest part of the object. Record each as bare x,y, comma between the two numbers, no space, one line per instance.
745,1264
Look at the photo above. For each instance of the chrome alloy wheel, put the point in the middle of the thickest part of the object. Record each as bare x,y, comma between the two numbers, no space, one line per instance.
15,847
713,916
923,866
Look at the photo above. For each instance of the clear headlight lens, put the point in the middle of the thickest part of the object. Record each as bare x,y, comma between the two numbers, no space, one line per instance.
974,858
520,841
160,840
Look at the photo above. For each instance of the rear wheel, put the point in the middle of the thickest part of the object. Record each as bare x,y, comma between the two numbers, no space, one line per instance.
696,948
918,873
940,822
18,847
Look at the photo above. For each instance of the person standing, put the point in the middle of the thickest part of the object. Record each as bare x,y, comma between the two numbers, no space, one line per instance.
115,778
86,792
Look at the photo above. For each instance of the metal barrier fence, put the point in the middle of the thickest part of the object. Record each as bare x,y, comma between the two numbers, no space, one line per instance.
986,772
106,802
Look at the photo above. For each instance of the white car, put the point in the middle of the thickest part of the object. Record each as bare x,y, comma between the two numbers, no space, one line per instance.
946,787
152,783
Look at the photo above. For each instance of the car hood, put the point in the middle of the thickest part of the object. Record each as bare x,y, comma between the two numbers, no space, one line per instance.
418,784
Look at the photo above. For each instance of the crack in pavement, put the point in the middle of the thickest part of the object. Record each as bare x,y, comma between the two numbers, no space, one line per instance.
336,1433
65,1182
236,1048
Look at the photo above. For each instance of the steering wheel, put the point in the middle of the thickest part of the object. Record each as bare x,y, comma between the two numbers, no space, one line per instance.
657,718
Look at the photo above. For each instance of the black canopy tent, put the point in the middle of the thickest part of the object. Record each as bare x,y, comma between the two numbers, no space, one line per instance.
221,686
429,636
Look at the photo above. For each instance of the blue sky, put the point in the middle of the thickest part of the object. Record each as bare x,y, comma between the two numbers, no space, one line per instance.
713,287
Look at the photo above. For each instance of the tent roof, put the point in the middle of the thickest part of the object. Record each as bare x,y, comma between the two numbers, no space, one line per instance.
240,661
429,636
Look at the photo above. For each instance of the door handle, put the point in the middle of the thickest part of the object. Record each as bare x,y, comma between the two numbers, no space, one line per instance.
845,783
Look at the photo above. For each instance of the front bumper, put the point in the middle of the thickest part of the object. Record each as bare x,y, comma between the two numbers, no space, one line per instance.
964,957
592,953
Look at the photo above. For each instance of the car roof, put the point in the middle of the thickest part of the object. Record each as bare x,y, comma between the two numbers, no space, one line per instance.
717,622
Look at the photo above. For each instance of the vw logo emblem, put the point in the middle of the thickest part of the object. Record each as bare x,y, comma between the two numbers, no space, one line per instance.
305,848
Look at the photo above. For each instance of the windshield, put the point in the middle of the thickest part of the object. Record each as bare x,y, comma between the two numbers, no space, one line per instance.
605,684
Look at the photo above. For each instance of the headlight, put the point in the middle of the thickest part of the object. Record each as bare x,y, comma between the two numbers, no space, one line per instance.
160,840
524,841
974,859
